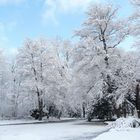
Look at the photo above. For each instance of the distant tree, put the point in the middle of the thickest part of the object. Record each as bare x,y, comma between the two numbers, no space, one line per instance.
5,103
45,72
32,61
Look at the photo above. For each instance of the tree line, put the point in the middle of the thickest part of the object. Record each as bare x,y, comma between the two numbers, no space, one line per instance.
92,78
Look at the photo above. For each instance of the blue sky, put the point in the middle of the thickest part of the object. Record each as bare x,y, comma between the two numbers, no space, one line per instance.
20,19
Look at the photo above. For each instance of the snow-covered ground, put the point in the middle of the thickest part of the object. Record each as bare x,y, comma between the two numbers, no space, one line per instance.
122,129
68,130
115,134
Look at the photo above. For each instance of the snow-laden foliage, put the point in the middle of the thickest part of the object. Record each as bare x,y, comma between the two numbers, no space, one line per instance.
90,78
135,19
100,69
44,82
103,28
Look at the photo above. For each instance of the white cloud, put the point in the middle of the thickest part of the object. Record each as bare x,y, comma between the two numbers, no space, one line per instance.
4,28
55,7
49,12
9,52
5,43
5,2
3,36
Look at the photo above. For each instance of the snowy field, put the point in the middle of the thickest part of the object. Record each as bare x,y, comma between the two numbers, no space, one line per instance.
116,134
122,129
65,130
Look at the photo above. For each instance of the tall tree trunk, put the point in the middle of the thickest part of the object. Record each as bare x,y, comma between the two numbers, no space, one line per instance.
117,112
40,105
138,99
83,110
124,110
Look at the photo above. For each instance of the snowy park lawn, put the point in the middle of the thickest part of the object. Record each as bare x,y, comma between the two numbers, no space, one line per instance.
123,134
69,130
122,129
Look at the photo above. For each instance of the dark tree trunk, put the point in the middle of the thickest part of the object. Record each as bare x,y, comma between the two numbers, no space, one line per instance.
83,110
40,111
124,111
138,99
40,105
117,112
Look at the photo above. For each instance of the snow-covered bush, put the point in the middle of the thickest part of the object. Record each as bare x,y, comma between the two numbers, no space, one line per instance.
129,122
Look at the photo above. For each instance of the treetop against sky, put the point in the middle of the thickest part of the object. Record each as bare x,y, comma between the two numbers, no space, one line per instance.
46,18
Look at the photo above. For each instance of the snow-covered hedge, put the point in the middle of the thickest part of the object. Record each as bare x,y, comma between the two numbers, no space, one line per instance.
129,122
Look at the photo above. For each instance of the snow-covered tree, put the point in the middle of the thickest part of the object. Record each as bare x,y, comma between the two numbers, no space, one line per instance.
90,78
103,27
135,18
15,89
100,34
32,63
5,103
45,70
